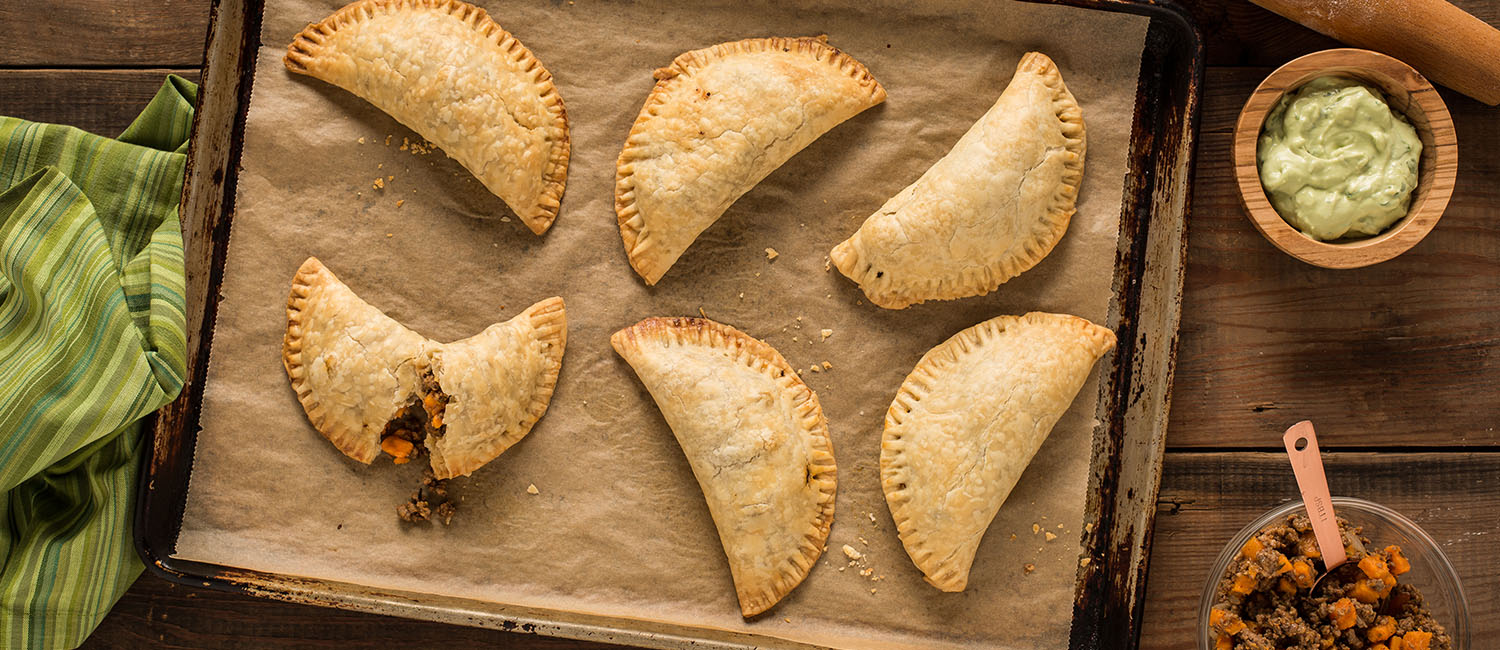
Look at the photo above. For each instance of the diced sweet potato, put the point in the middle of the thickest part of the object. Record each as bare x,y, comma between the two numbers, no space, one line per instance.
1362,592
1243,584
1396,643
1416,640
1384,627
1399,563
1307,545
1224,642
1303,572
1283,565
1286,586
1343,614
398,447
1373,566
1251,548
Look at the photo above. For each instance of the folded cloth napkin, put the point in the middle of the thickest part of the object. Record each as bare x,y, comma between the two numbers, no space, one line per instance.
92,339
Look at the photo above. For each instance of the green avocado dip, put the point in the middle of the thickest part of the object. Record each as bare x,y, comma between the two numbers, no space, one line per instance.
1337,161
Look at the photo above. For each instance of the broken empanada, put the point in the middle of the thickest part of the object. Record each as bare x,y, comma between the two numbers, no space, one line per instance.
719,120
448,72
370,384
756,439
966,423
988,211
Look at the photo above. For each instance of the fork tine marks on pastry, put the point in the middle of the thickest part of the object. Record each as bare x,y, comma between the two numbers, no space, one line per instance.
364,378
756,439
444,69
989,210
966,423
718,121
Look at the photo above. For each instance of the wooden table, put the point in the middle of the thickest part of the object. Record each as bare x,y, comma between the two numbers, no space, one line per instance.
1398,364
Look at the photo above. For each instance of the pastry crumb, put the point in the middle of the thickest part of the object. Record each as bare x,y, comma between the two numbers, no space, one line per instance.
1083,562
851,553
1012,537
825,332
400,202
871,514
827,264
379,183
387,140
742,295
504,219
827,366
390,234
771,253
872,590
784,618
841,568
405,144
815,368
1028,567
1035,529
1050,536
700,313
862,541
361,139
531,489
866,572
1088,527
390,178
794,339
380,166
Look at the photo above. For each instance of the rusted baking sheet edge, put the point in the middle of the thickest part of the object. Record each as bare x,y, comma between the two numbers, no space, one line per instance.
1128,443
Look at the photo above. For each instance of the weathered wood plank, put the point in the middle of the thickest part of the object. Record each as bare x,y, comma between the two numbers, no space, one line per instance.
1206,498
1406,352
98,101
1240,33
69,33
158,614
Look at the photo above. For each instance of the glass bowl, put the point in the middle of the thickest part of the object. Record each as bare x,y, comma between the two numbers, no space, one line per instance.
1431,573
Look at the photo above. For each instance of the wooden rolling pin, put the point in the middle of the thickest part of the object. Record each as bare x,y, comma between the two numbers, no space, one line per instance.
1441,41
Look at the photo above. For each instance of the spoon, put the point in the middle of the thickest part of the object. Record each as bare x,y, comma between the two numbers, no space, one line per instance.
1307,464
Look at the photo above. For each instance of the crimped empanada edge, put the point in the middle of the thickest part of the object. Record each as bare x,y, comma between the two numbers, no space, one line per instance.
847,256
893,464
307,45
759,356
311,275
632,226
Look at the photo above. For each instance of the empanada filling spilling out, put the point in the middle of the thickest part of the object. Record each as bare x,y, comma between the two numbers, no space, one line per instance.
405,437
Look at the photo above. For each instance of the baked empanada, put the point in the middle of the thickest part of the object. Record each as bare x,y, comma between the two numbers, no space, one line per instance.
988,211
370,384
719,120
966,423
756,439
448,72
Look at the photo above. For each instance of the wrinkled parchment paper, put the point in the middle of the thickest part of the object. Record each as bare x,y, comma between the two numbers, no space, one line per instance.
619,527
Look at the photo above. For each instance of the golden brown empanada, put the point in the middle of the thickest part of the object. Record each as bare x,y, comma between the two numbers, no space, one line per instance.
447,71
369,384
966,423
756,439
719,120
988,211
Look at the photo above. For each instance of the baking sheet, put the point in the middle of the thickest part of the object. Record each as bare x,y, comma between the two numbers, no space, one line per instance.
618,527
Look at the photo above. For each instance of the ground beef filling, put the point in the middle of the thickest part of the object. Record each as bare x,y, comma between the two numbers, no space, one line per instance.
405,437
429,502
1265,601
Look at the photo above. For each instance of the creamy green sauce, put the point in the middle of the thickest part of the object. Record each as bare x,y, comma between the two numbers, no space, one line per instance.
1337,161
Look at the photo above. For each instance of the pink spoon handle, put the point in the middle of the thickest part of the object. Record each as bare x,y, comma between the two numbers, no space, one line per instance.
1308,466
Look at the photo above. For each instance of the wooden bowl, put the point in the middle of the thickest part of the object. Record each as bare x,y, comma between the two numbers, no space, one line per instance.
1406,91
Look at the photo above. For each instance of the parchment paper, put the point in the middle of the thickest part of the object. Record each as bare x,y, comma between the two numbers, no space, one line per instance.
619,527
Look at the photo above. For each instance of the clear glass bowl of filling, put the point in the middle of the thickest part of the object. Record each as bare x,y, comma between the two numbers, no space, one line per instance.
1431,573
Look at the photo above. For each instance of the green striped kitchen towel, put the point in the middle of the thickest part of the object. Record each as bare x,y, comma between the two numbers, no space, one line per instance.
92,339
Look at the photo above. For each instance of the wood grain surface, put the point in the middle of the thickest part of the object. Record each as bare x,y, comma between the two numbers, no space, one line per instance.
1399,363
